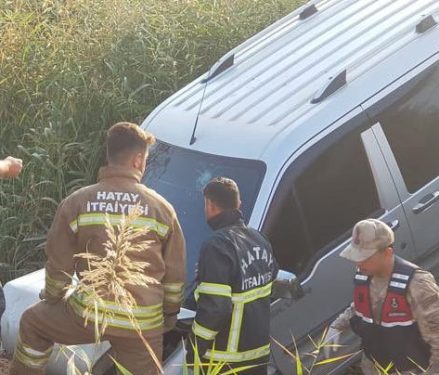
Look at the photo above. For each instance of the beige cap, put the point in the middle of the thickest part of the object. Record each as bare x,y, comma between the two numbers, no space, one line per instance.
368,236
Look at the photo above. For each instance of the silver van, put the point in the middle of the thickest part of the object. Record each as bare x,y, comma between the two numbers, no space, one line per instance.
328,116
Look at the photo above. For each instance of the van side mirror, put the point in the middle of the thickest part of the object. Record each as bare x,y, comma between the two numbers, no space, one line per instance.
286,285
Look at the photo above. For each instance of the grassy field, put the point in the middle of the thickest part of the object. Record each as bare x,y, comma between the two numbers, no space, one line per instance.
71,68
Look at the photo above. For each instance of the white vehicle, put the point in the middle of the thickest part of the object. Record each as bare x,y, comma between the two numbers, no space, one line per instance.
327,117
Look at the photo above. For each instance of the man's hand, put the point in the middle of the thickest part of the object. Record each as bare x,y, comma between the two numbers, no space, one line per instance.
10,167
330,344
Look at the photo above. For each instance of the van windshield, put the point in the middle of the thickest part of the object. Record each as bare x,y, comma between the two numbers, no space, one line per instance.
179,175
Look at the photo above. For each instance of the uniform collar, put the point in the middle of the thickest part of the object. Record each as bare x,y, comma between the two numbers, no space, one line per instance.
226,218
119,172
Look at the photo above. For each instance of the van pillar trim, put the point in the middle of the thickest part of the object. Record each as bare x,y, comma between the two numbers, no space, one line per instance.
223,64
335,83
426,24
308,12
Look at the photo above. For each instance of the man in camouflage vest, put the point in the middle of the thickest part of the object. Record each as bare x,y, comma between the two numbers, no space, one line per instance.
395,309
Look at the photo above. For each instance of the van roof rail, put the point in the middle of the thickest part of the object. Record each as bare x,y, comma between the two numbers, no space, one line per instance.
425,24
308,11
335,83
220,66
280,76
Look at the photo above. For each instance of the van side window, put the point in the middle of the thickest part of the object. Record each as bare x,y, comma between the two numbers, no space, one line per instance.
411,126
333,192
288,238
336,191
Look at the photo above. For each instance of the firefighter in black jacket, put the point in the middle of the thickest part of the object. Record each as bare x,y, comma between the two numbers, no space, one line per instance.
236,270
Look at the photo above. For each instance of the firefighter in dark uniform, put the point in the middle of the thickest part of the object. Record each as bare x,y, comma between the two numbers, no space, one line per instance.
236,270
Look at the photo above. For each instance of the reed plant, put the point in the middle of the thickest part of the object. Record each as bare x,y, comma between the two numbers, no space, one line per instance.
311,362
111,273
71,68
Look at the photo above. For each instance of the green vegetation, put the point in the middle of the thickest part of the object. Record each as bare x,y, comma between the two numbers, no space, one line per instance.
71,68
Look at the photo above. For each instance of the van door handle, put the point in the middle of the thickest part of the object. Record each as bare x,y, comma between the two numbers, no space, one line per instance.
426,202
394,224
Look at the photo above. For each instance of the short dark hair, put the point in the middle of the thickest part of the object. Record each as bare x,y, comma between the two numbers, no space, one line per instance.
126,138
224,192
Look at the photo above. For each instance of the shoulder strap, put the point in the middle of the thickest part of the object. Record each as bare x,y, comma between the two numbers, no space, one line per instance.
402,274
360,279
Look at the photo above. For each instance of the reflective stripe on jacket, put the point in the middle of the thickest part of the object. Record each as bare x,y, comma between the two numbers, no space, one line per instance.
235,273
79,226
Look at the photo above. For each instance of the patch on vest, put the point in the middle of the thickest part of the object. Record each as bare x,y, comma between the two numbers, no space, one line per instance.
113,202
397,314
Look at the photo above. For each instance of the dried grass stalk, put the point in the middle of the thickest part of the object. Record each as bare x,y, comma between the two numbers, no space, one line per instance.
107,277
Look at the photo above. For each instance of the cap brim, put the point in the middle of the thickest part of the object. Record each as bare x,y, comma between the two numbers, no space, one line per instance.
355,254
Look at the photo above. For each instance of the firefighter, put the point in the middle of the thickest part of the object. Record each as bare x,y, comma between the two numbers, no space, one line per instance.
395,308
10,167
236,269
79,227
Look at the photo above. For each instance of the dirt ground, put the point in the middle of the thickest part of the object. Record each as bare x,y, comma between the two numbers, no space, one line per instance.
4,361
4,365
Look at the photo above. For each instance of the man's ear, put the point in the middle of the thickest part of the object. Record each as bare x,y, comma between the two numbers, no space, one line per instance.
212,207
389,251
138,160
208,203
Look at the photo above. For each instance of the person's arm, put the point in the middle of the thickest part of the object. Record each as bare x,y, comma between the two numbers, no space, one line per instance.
342,322
216,268
10,167
174,255
61,247
423,296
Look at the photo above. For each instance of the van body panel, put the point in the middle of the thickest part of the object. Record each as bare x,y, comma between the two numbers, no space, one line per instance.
327,282
262,103
410,151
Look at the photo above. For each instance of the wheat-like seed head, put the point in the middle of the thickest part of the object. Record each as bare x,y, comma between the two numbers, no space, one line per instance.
107,277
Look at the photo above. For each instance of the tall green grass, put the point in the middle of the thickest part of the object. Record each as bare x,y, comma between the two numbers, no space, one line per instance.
71,68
